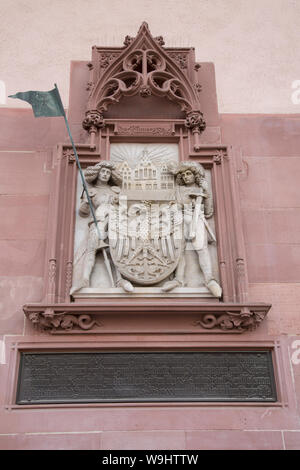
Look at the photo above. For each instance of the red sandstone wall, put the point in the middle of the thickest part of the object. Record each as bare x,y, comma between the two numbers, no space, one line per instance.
268,162
268,159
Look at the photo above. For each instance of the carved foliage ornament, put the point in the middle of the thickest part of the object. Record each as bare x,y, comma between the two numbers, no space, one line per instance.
238,321
106,59
64,321
93,120
232,321
180,59
145,68
195,121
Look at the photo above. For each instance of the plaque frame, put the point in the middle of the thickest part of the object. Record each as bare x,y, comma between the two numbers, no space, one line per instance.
184,398
110,344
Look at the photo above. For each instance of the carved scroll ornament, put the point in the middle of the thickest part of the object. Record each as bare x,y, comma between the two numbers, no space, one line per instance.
226,318
232,321
64,321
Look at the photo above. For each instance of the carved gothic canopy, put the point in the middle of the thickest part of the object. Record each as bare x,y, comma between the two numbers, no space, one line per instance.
143,68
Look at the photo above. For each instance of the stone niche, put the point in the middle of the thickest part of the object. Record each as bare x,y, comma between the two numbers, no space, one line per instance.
169,255
150,254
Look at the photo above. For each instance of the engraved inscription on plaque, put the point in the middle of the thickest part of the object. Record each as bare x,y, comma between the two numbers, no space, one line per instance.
85,377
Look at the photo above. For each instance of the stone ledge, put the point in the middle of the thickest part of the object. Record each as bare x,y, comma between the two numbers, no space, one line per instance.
181,316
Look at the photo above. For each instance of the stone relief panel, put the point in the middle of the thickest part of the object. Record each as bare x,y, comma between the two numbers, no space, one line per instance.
155,234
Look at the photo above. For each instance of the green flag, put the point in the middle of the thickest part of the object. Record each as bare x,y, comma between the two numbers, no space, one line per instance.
44,103
49,104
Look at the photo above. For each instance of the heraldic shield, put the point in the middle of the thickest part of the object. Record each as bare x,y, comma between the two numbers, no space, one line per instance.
146,239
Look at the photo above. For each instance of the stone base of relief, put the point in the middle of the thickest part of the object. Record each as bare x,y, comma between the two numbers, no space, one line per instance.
110,292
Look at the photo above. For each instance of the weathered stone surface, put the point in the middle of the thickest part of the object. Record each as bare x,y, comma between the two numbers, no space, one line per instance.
13,292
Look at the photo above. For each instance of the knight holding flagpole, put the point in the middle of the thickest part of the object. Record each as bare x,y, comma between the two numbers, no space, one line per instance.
193,193
49,104
104,183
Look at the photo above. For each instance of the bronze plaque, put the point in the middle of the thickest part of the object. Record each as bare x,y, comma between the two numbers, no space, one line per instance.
97,377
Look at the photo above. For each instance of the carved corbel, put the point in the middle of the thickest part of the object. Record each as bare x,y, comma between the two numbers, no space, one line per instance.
92,122
62,322
69,154
194,121
235,322
218,157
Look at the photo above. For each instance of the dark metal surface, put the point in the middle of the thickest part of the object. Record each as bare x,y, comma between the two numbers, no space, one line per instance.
77,377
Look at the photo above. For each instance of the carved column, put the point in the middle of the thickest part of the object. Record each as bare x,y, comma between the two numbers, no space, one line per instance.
92,122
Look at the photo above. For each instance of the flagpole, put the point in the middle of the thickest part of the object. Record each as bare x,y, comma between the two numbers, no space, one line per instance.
106,260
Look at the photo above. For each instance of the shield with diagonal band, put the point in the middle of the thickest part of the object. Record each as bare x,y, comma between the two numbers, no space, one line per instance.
146,240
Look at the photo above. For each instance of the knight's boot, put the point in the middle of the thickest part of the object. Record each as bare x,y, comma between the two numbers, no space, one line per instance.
126,285
170,285
214,288
84,283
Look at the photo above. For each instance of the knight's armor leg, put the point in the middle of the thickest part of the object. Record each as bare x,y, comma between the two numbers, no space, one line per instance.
178,280
205,265
88,267
90,256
